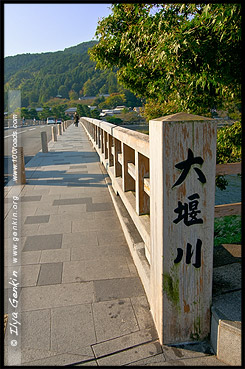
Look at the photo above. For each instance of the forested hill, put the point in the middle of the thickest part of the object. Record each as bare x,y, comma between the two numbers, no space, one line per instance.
69,73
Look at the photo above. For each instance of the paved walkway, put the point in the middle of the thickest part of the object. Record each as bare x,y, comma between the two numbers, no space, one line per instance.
82,301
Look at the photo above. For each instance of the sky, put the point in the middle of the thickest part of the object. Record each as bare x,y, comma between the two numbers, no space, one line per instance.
37,28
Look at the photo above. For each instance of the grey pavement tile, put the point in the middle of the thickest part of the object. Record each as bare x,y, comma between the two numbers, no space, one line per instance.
91,270
84,224
156,360
57,360
72,329
78,215
71,209
71,201
29,275
44,209
111,237
79,239
113,319
78,166
132,354
111,289
30,198
53,228
25,275
74,271
55,256
50,273
48,199
28,230
100,207
37,219
33,354
36,329
142,312
44,297
43,242
124,342
8,293
24,258
28,209
90,251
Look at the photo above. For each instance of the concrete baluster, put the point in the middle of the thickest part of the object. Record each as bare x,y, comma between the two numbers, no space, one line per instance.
128,156
142,171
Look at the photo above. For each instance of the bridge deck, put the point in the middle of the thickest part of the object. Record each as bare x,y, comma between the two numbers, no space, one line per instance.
81,298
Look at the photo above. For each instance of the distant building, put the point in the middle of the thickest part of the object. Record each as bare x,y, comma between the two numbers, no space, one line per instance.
70,111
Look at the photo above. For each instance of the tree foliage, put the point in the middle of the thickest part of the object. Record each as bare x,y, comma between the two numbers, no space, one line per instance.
188,55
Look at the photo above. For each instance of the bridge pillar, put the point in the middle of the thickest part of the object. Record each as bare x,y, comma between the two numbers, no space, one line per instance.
182,194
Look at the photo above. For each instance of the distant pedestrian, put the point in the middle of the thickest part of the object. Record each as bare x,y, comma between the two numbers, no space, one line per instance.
76,119
23,121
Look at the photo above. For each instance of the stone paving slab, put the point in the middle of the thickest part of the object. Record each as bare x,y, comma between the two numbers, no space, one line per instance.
50,273
72,328
43,242
114,319
44,297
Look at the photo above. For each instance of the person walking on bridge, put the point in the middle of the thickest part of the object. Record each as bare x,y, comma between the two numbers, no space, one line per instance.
76,119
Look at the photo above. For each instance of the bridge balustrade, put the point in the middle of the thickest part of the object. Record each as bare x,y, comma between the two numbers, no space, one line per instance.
166,182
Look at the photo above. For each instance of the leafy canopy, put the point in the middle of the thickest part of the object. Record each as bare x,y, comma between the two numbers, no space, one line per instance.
189,54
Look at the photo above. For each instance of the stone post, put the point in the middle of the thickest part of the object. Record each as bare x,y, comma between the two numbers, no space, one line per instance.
63,126
44,141
59,129
21,176
54,134
182,194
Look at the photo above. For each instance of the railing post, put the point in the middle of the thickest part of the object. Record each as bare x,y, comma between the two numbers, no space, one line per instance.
128,155
99,137
142,171
182,192
110,145
105,144
117,165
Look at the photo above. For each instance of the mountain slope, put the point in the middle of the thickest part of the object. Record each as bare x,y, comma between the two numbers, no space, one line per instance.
46,75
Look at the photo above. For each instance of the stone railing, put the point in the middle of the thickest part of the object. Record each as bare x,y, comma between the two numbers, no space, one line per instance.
166,182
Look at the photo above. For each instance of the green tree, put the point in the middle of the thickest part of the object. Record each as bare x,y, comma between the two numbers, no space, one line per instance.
25,113
73,95
33,114
45,113
112,101
189,53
